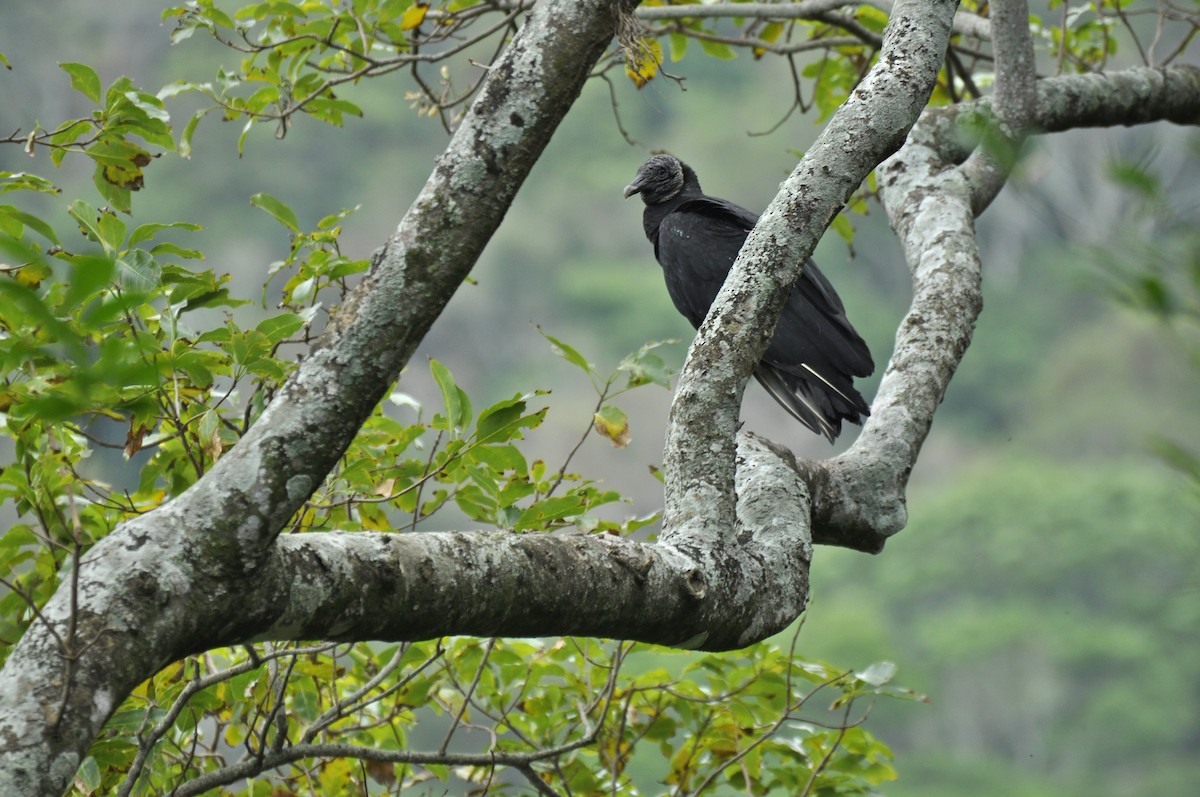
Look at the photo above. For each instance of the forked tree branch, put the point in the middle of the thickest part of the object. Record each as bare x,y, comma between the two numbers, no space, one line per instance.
871,125
209,569
162,585
932,201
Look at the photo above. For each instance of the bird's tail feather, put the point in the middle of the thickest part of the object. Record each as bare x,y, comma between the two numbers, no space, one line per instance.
813,400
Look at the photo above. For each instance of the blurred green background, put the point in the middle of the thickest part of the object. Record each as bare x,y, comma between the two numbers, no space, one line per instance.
1046,594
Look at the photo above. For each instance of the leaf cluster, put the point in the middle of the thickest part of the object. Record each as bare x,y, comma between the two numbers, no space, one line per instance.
583,716
297,56
128,370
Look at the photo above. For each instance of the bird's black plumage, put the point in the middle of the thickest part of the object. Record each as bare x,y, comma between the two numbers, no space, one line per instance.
812,359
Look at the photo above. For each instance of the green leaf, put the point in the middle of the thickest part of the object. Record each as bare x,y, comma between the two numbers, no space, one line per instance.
24,181
567,353
475,503
84,80
500,458
86,215
718,49
139,270
189,130
549,510
30,221
241,142
167,248
678,44
645,366
878,673
144,232
282,213
280,327
842,226
332,109
87,777
112,232
504,420
451,394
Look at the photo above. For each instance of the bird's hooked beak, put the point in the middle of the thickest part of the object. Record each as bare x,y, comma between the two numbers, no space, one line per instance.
634,188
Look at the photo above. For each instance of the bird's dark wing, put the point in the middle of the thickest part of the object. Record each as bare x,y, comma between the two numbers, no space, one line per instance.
814,355
813,329
700,240
696,245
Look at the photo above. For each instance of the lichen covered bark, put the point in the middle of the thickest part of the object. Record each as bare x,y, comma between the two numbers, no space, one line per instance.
209,569
162,585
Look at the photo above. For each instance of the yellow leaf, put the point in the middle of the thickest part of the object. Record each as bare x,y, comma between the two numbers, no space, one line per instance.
612,423
642,61
234,734
414,16
28,274
373,518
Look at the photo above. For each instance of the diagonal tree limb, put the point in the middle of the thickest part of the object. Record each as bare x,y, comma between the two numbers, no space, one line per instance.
163,584
207,570
858,497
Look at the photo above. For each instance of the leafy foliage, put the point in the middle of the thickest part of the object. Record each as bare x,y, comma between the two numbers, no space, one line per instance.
587,715
128,370
112,351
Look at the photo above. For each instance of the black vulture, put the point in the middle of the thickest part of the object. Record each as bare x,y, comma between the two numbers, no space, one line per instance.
814,355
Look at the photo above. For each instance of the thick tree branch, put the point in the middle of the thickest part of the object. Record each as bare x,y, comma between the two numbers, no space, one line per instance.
965,23
417,586
858,497
1130,97
162,585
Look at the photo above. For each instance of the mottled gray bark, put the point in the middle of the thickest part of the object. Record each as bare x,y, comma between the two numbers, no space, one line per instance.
209,569
179,579
932,198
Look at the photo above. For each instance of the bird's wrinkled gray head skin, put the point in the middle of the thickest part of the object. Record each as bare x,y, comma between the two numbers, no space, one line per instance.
658,180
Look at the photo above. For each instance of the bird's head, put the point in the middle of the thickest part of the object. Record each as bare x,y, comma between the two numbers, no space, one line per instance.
658,179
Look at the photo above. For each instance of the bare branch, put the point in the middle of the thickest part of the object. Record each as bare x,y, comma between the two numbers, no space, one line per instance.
965,23
1014,101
